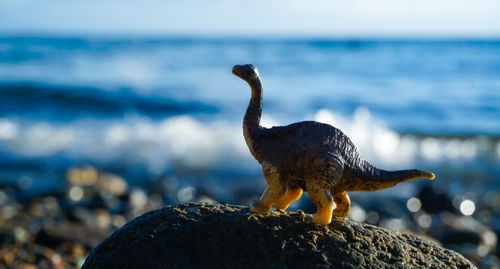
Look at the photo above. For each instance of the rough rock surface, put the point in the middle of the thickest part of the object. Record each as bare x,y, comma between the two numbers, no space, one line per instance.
227,236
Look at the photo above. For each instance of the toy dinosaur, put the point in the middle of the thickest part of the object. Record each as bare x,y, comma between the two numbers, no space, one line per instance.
310,156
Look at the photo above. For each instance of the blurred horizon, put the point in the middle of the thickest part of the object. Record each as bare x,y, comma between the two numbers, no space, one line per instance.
321,19
234,37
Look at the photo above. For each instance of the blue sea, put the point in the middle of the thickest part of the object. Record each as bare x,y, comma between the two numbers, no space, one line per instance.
151,107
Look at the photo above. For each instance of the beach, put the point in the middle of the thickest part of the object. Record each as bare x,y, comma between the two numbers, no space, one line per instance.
95,131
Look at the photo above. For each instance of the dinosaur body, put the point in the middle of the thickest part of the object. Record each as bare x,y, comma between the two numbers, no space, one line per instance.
310,156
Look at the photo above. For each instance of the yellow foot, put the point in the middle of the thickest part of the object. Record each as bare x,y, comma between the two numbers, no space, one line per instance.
323,216
258,208
322,220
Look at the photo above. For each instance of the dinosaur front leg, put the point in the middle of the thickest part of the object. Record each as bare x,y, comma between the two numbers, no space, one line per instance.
343,205
324,204
292,195
273,193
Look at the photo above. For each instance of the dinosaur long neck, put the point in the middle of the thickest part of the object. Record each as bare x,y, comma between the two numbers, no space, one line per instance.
251,122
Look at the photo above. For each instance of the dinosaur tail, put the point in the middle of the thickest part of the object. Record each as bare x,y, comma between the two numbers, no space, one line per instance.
403,175
376,179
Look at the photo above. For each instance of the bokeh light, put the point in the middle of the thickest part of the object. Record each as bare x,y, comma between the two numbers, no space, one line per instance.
76,193
413,204
185,194
467,207
424,221
357,214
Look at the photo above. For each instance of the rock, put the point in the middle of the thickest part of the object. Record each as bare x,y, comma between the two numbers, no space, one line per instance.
453,237
435,201
465,235
55,235
86,176
226,236
112,183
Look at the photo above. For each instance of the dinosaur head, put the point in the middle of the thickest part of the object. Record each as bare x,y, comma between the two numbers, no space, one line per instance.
246,72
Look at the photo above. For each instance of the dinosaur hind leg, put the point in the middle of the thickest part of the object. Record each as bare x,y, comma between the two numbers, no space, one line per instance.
343,205
292,195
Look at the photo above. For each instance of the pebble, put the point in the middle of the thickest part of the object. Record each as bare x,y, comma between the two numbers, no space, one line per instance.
59,231
86,176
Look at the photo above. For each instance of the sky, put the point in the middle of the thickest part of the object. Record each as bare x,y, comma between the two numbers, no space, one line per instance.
334,18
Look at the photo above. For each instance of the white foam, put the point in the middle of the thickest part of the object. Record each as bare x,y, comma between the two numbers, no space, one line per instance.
183,141
8,129
383,146
376,143
159,145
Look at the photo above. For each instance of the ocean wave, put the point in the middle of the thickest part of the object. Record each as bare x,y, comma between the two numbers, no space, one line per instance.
177,141
389,148
55,102
446,87
188,143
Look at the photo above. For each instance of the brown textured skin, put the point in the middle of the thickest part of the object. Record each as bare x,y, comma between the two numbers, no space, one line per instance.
310,156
